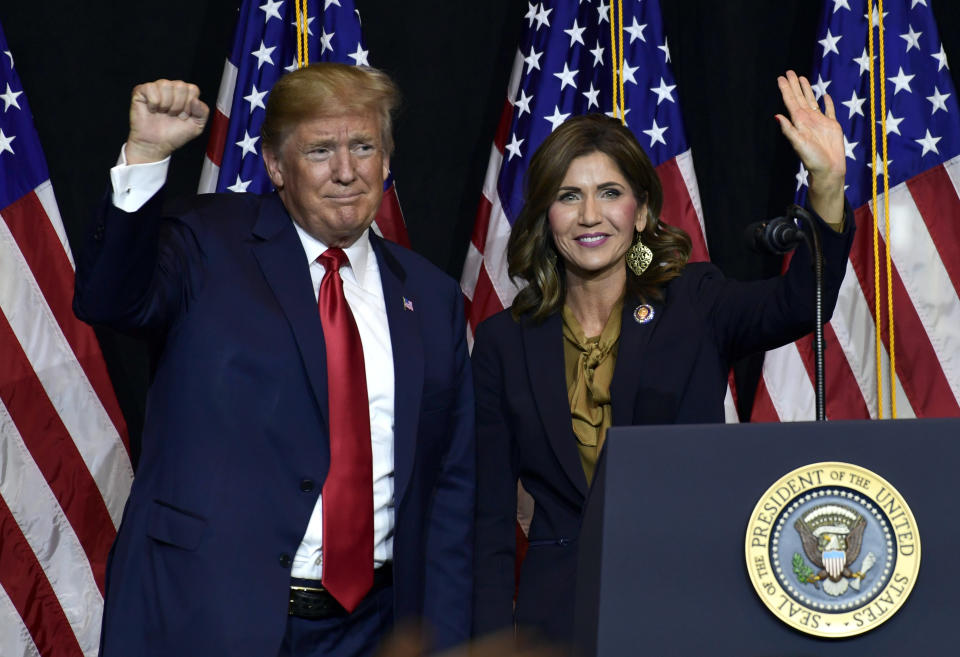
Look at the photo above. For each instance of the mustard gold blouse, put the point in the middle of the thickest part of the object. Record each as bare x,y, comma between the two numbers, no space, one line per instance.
588,364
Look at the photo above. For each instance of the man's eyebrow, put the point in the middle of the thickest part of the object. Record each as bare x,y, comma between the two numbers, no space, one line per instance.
324,142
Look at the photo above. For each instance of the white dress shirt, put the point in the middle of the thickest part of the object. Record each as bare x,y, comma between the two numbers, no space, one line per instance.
134,185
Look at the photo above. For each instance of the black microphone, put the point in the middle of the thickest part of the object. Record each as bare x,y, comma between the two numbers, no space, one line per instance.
778,235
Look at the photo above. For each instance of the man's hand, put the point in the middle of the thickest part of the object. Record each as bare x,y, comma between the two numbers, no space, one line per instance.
164,115
817,139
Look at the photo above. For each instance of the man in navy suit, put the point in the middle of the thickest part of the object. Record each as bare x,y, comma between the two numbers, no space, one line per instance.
226,545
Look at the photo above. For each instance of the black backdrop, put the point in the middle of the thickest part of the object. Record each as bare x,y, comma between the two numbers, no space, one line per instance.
451,58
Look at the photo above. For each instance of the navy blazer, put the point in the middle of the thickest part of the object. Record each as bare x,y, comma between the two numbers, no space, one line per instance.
671,369
235,448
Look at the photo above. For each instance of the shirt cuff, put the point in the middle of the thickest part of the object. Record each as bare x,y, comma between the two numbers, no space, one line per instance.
135,184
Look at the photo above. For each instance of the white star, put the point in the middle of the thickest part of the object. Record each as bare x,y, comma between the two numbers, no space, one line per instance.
523,103
247,144
567,77
636,31
533,59
293,65
893,123
848,147
941,57
597,55
901,82
270,10
912,38
326,41
531,12
543,17
604,12
937,99
929,143
802,177
864,61
615,113
829,43
877,165
309,20
591,97
255,98
820,87
875,19
359,57
263,54
514,147
628,72
838,4
10,98
557,118
327,3
664,91
918,2
240,185
666,49
5,142
854,105
656,133
576,34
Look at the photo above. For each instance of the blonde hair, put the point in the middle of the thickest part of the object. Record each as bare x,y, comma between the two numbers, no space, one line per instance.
329,89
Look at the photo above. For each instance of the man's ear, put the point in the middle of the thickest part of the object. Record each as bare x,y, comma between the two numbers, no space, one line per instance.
273,166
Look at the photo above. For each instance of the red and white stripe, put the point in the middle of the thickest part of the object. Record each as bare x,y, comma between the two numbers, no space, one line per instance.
485,283
925,254
219,120
65,468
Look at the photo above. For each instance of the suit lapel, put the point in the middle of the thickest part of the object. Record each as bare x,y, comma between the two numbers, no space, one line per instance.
632,360
543,346
407,346
288,275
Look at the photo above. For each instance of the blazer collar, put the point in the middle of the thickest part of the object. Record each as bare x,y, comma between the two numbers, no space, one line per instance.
632,358
543,346
408,355
277,248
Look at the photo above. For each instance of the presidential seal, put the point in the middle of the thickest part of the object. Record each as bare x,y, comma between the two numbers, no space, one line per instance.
832,550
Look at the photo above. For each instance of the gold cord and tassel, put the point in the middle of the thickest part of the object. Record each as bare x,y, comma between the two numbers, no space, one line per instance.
303,48
886,210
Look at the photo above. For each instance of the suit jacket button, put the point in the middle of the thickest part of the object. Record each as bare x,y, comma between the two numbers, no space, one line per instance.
285,560
307,485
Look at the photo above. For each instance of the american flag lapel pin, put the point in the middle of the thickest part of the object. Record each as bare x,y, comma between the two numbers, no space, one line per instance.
407,304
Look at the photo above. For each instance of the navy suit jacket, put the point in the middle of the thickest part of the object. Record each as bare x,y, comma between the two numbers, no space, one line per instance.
671,369
235,447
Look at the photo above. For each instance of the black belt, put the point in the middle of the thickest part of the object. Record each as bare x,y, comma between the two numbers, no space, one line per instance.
314,602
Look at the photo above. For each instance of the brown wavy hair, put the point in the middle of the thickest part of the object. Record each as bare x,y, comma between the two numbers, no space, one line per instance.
531,253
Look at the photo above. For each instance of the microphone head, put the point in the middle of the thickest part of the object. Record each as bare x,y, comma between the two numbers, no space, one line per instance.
779,235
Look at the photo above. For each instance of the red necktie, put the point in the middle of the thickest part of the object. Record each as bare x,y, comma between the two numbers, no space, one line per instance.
348,489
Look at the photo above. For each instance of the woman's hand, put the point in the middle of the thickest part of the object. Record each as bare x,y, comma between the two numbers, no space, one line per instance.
817,139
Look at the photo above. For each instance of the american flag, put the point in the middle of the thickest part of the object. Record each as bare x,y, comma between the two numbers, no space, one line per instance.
564,67
923,161
264,49
64,456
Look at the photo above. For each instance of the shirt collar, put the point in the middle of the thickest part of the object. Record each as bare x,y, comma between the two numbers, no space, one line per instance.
358,253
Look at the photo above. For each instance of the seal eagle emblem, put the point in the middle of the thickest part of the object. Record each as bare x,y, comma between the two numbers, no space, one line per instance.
832,549
832,535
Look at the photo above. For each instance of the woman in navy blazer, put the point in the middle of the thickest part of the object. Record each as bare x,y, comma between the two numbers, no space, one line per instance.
588,241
